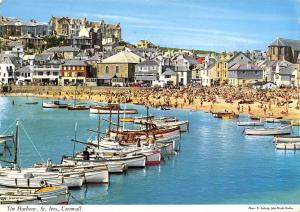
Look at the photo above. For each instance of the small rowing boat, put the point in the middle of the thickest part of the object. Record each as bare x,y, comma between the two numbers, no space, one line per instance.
126,119
78,107
288,146
269,131
250,123
286,139
111,108
54,104
31,103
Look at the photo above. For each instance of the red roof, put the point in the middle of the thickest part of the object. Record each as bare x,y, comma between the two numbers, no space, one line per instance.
200,59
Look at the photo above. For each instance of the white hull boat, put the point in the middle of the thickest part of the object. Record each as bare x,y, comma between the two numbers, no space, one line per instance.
250,123
269,131
52,195
28,180
99,110
288,146
286,139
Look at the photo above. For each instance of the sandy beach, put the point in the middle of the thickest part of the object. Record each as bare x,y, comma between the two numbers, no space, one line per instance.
276,103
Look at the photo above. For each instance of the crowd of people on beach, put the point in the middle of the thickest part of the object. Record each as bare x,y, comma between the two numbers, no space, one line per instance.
194,97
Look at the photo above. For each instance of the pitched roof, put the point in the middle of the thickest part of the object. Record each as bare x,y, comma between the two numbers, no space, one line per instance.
238,55
63,49
123,57
295,44
75,63
239,66
148,63
14,44
24,69
169,71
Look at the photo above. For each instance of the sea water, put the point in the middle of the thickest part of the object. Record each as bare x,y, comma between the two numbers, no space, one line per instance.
217,163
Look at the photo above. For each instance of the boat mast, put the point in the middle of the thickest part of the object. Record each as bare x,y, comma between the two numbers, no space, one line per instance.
75,94
16,143
99,131
118,123
147,107
109,123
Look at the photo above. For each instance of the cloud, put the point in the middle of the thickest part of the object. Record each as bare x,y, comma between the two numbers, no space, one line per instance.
118,18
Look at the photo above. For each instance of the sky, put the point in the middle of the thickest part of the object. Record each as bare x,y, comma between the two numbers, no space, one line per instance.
217,25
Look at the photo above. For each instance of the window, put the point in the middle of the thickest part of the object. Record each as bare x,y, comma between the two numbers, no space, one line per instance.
117,69
28,74
55,73
107,69
40,73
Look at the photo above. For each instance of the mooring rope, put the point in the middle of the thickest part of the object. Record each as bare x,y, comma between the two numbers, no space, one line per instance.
32,142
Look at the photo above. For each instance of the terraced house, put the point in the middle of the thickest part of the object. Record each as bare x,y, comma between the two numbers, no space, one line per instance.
222,68
13,27
75,72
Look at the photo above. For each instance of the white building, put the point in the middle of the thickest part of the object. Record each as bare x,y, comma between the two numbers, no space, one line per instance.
285,74
24,75
8,64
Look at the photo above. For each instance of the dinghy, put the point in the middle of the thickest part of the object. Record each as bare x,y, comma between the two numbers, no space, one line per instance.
288,146
250,123
269,131
286,139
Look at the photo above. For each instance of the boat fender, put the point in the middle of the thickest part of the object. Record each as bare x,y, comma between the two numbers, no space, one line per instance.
43,183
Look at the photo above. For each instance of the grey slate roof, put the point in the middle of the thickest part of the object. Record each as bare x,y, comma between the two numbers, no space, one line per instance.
14,44
169,71
148,63
43,57
6,58
295,44
24,69
63,49
239,66
75,63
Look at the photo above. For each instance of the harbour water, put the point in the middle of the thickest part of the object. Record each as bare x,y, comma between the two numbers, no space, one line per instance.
217,163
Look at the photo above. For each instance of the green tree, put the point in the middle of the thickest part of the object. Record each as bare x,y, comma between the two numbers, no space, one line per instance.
52,41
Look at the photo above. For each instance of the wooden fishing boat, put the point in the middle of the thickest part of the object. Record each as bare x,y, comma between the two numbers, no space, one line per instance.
253,117
219,114
250,123
288,146
271,120
269,131
138,119
152,154
183,125
49,195
126,119
230,116
31,103
78,107
130,161
130,135
111,108
286,139
54,104
96,174
25,178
